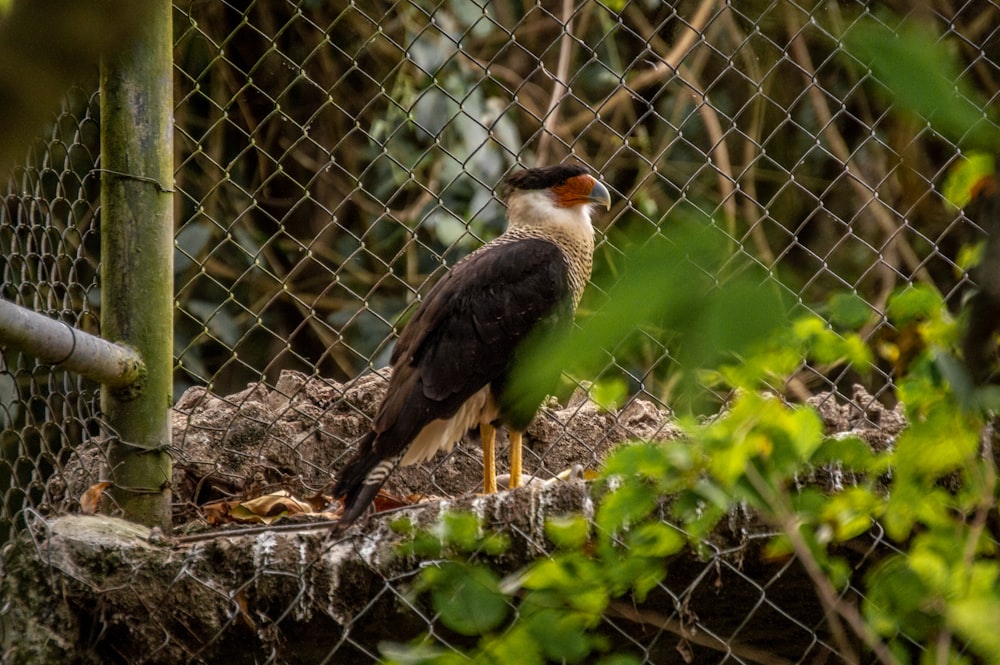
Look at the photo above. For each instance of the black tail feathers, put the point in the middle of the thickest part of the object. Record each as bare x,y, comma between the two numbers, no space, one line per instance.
360,481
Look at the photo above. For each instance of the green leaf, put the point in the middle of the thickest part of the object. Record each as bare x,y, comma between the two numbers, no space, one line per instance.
619,659
467,597
913,303
779,547
562,634
851,452
829,346
976,620
848,310
515,645
460,530
910,501
963,179
805,430
638,574
419,654
700,509
970,256
942,443
932,568
570,573
896,599
402,525
627,505
852,512
651,460
655,539
494,544
568,532
609,394
809,503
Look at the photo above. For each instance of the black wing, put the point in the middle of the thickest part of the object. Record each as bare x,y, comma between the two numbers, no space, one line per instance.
466,331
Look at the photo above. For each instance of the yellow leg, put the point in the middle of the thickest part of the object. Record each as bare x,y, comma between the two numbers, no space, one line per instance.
515,459
488,434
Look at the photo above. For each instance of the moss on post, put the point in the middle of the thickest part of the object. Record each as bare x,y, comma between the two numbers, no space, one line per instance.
137,261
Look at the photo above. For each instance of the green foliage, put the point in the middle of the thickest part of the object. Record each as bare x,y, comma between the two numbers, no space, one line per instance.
466,597
609,393
549,611
932,492
455,534
962,180
848,310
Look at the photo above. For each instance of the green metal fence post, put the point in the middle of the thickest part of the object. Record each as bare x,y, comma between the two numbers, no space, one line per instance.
137,261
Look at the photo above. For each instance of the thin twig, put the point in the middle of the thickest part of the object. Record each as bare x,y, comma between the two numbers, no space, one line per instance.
753,132
718,147
664,69
866,193
559,87
625,611
835,606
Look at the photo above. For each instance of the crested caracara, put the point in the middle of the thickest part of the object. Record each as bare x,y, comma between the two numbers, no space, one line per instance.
452,361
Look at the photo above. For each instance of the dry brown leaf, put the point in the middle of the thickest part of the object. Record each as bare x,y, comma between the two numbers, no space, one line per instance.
319,502
217,512
385,501
241,602
90,502
271,507
421,498
336,509
261,510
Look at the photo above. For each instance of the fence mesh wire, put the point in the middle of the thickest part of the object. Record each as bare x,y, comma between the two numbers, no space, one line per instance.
333,158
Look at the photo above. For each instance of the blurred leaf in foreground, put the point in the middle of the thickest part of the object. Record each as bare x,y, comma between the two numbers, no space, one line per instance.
45,47
684,287
924,77
963,180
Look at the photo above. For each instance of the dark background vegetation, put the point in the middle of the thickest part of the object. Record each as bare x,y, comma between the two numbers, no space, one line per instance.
333,158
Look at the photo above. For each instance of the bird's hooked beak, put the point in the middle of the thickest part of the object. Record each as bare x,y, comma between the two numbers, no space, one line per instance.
599,194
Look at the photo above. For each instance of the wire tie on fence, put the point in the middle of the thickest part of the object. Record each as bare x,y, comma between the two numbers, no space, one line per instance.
72,348
141,490
139,178
140,449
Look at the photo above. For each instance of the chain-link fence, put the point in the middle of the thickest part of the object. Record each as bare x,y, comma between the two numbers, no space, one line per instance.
333,158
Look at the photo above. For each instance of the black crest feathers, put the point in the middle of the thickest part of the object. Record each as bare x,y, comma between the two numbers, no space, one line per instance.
542,177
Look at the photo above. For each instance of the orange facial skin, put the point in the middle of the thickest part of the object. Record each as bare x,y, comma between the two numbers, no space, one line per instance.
575,191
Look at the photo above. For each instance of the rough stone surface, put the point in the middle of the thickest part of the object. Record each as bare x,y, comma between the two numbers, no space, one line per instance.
89,589
297,435
82,589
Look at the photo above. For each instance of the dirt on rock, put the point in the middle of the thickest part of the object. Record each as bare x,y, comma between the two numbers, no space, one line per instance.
298,434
